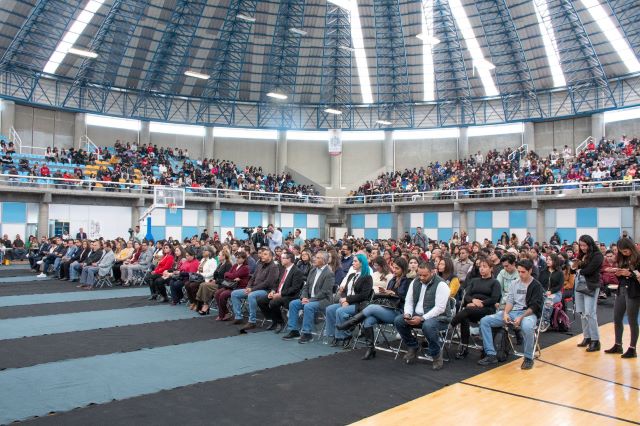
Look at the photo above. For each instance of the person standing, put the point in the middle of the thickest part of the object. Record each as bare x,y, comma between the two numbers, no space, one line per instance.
589,262
628,297
419,239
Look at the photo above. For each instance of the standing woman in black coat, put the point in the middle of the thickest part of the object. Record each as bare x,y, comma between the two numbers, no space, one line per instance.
589,261
628,297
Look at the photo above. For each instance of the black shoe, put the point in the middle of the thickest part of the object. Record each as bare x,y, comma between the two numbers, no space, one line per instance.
585,342
462,353
293,334
279,328
272,326
488,360
630,353
527,364
369,354
615,349
305,338
411,355
346,343
438,360
594,346
336,343
369,338
163,300
351,322
153,297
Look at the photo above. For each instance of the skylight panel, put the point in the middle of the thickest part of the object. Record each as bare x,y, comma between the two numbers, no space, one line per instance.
483,66
410,135
498,129
612,33
237,132
112,122
176,129
71,36
357,41
549,40
621,115
428,41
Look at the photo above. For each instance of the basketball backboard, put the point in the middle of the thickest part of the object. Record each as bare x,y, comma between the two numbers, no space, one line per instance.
163,196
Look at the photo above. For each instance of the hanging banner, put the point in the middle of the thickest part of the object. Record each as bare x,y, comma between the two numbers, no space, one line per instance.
335,142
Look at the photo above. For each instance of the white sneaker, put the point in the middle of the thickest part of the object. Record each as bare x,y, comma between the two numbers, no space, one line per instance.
39,262
42,275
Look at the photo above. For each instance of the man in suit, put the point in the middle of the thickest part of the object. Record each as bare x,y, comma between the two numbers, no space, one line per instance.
316,296
92,259
81,235
289,286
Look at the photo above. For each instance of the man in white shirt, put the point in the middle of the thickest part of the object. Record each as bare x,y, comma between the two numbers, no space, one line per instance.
426,306
274,238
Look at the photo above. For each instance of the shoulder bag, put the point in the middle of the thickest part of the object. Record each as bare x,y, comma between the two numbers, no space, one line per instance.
580,284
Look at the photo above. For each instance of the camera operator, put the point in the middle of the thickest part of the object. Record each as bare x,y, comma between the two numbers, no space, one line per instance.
258,238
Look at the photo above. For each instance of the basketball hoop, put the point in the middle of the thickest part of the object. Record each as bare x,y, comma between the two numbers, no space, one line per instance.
173,208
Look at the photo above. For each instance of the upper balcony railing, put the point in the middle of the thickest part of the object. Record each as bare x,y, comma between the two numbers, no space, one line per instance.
10,182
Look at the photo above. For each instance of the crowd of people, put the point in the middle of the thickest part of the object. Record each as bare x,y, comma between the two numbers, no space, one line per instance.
411,283
606,160
149,164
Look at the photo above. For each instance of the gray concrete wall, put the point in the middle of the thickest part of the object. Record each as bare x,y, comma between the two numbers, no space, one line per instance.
192,143
557,134
416,153
630,128
254,152
106,136
44,128
360,158
499,142
310,158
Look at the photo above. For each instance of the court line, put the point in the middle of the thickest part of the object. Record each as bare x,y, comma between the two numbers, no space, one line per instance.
552,403
70,296
590,375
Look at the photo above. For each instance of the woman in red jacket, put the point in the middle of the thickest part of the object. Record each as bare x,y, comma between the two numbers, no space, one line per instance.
239,273
155,280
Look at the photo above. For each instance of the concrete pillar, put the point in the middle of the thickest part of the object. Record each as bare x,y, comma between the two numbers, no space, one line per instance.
43,219
145,134
281,151
335,162
597,126
209,145
399,225
540,224
388,151
210,224
7,116
463,143
272,218
464,224
79,129
529,136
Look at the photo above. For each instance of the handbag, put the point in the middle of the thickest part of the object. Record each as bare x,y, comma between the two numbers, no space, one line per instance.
196,278
229,284
580,284
390,301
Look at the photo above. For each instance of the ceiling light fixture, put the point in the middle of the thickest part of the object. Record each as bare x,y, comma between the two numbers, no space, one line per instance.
433,40
245,17
384,122
276,95
333,111
195,74
298,31
83,53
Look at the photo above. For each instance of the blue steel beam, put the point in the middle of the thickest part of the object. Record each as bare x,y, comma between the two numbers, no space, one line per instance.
282,67
110,43
227,69
335,82
38,37
586,81
453,91
512,72
394,93
628,15
171,56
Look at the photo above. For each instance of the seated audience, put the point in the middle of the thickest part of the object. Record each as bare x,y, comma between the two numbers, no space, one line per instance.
236,278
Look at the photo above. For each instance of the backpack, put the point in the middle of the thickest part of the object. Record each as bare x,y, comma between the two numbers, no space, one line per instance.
501,344
559,319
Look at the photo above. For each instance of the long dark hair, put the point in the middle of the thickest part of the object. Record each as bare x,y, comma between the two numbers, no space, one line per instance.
591,246
627,261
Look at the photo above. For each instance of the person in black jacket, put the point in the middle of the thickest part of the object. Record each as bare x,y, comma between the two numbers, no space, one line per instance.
480,298
353,297
552,280
589,262
78,257
289,286
524,307
304,263
628,297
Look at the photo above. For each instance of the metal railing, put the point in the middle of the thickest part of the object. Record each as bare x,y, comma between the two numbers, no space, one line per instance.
91,147
12,182
583,145
17,142
522,150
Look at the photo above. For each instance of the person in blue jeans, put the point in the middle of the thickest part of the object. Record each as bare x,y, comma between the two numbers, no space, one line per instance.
315,296
263,280
523,308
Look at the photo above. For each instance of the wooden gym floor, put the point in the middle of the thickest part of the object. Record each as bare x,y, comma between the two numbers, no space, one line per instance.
567,386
